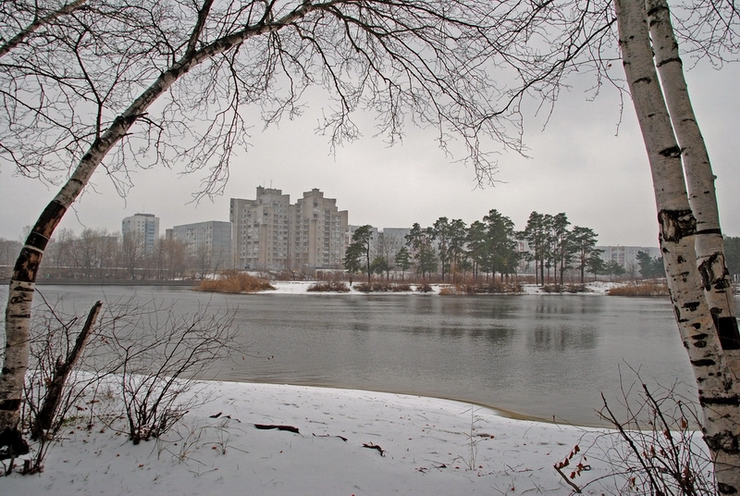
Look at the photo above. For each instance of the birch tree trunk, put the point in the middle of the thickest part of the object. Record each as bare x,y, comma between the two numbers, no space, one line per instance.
700,181
719,402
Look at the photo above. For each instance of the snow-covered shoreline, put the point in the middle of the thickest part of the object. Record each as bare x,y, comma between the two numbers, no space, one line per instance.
301,287
348,442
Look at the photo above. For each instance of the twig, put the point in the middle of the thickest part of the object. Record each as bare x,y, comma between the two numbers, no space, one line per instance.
288,428
375,447
566,479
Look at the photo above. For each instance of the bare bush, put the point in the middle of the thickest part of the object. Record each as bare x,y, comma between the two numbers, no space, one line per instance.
383,287
480,288
159,356
328,286
663,455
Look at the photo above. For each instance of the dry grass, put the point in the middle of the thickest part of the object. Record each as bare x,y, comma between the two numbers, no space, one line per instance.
235,282
565,288
476,288
328,286
383,287
643,288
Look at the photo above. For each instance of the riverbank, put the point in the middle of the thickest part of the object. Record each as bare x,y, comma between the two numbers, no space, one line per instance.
341,442
301,287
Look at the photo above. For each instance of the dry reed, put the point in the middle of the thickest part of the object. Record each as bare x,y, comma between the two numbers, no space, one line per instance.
235,282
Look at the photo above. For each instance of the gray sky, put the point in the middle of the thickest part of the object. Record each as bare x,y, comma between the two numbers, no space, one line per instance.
577,165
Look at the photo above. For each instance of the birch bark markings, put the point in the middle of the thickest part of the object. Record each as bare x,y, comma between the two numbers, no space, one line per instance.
700,181
718,400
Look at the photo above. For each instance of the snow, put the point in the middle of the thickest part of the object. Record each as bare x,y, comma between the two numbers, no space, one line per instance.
429,447
301,287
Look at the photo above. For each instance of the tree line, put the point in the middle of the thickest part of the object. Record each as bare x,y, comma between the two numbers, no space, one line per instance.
455,251
99,254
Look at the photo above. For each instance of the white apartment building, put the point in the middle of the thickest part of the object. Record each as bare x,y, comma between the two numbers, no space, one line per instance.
270,233
208,244
144,226
626,256
317,234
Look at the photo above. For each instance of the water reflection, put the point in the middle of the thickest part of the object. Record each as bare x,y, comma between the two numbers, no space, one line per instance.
562,338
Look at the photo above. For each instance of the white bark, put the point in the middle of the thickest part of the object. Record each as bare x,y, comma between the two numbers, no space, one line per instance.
700,181
719,403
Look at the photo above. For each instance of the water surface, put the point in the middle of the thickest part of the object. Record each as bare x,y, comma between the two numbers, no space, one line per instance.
544,356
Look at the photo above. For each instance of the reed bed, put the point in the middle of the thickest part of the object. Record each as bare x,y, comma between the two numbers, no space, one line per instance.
642,288
235,282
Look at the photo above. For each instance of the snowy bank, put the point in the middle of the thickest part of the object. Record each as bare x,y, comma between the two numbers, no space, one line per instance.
301,287
347,442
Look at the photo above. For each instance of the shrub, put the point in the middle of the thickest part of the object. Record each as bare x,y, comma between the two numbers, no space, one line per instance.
646,288
234,281
382,287
491,288
664,455
564,288
157,356
328,286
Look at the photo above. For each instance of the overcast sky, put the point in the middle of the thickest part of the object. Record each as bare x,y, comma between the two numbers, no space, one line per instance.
578,165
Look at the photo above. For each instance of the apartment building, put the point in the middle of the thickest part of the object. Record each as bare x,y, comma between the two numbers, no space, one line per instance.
626,256
208,243
144,226
271,233
318,232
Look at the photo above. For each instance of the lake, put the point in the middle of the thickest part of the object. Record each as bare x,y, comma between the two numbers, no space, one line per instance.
542,356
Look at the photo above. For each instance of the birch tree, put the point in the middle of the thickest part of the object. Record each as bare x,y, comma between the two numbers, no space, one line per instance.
709,244
116,84
704,340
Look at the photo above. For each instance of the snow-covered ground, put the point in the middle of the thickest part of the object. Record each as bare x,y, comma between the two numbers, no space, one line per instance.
348,442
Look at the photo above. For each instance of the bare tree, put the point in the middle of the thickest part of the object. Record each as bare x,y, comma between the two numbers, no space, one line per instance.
114,84
35,16
132,252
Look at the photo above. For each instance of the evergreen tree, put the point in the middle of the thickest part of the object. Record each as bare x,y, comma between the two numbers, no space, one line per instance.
456,249
650,267
535,234
583,242
403,261
476,247
379,265
441,232
359,250
500,244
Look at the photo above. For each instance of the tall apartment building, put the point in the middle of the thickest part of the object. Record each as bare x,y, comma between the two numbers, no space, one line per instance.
145,226
626,256
206,243
317,236
270,233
